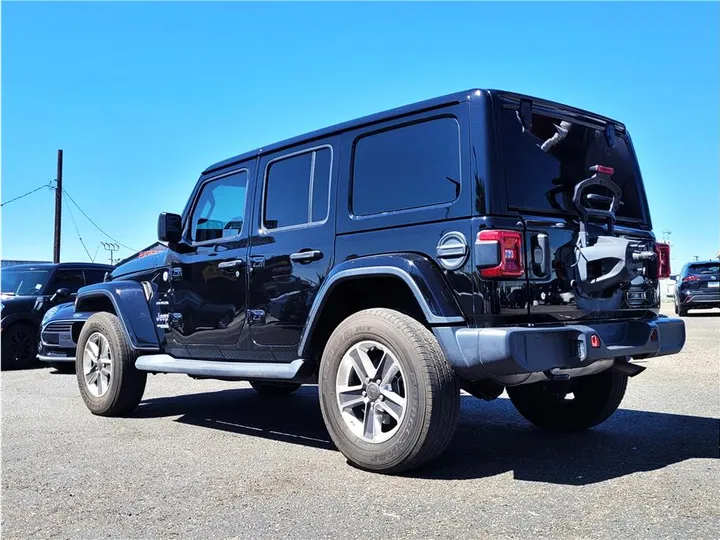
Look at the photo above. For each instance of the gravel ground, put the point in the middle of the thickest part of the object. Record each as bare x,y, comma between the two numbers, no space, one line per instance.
207,459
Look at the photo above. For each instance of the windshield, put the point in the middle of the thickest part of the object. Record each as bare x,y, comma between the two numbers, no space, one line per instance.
545,162
705,269
23,282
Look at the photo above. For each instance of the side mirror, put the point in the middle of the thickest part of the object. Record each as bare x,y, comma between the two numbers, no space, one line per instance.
673,277
62,292
169,228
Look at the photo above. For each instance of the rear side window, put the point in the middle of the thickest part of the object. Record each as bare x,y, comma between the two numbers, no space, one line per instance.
411,166
297,189
543,165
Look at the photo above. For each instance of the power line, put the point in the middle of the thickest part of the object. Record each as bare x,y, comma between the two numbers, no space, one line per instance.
72,217
26,194
95,224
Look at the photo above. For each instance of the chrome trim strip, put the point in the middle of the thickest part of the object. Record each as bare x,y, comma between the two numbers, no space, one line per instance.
53,359
164,363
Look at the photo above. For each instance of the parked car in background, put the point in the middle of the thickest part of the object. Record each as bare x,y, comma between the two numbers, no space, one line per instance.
56,343
697,287
28,292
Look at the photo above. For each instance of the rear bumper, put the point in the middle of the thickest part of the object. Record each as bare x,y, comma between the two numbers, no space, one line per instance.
708,300
482,353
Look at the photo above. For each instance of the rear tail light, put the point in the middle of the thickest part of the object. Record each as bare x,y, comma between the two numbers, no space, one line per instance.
690,278
595,341
663,256
510,253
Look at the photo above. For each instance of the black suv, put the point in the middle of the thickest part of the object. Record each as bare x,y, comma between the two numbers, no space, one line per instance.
482,240
29,292
698,287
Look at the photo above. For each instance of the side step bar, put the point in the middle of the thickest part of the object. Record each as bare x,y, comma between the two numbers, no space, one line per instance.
163,363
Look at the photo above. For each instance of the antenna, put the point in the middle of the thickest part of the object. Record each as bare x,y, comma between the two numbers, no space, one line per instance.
111,247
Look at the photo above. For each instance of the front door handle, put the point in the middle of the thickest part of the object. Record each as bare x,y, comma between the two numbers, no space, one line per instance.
229,265
306,256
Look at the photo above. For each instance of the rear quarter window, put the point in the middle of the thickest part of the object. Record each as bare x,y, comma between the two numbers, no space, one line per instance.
411,166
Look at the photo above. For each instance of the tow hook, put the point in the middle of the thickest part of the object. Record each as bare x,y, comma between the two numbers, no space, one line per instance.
556,376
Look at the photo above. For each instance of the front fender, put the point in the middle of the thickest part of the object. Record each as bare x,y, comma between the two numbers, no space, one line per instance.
423,278
131,307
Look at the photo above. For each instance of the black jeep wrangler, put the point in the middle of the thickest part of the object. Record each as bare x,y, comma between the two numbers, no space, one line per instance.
483,240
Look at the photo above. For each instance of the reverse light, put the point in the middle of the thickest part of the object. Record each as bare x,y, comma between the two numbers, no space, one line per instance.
510,253
663,258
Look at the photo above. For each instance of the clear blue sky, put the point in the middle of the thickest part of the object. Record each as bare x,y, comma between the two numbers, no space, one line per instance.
143,96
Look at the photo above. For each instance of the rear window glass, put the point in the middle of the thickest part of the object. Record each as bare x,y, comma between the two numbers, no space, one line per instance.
543,164
411,166
706,268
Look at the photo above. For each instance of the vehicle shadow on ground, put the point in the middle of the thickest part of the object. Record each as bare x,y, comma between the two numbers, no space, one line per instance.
492,438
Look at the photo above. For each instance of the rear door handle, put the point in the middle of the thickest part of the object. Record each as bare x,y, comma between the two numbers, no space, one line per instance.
306,256
229,265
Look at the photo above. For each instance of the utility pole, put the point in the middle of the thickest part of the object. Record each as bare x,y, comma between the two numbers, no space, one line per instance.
111,247
58,208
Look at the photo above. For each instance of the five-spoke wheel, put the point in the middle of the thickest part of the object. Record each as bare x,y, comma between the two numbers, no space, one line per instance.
370,390
97,362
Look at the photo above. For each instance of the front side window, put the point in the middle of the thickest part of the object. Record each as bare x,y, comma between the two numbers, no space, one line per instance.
297,189
220,209
411,166
68,279
94,276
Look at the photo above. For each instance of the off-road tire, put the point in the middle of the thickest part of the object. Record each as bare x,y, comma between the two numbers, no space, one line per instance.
596,398
19,347
432,392
127,384
274,389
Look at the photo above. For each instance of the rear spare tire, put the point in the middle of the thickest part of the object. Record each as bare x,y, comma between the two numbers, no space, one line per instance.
109,383
389,398
572,405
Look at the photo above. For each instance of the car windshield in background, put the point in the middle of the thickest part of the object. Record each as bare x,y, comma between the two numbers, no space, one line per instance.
23,282
705,269
543,164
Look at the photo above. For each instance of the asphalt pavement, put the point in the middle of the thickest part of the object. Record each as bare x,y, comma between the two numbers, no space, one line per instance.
210,459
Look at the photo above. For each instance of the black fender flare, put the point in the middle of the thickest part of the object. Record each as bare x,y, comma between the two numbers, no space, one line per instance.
420,274
131,307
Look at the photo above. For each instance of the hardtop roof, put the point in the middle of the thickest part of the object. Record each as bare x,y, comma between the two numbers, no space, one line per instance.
424,105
